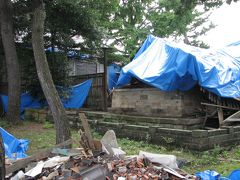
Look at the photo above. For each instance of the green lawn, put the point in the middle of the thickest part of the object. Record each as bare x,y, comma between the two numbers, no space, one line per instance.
221,160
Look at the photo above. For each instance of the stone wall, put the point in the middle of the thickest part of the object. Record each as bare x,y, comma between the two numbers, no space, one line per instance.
153,102
151,131
191,139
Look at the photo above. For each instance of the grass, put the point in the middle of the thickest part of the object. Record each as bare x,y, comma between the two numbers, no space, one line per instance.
221,160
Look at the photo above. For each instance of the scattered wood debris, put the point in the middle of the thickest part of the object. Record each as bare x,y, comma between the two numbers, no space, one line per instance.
94,161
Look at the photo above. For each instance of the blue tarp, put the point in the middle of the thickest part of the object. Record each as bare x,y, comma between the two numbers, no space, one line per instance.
170,66
113,74
235,175
78,95
213,175
70,53
14,148
26,101
208,175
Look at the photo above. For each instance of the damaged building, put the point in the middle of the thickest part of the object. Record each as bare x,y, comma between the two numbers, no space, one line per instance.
176,91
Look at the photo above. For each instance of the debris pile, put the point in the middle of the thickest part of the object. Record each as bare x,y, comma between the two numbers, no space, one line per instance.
143,169
96,160
99,167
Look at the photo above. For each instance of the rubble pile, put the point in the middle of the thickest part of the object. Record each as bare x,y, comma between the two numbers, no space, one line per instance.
96,160
143,169
100,167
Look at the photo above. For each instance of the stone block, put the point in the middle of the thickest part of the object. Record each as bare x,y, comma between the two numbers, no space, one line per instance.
215,132
152,131
136,127
236,128
230,129
144,97
216,140
203,141
199,133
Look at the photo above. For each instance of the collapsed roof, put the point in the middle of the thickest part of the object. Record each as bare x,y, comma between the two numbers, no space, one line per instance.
170,66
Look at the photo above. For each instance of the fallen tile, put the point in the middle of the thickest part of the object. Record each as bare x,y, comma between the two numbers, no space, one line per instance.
36,170
54,161
19,175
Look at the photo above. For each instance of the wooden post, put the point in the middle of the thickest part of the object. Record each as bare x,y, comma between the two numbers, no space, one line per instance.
87,130
105,80
220,116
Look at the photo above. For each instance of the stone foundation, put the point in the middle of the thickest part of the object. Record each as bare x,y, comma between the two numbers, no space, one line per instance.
155,103
147,129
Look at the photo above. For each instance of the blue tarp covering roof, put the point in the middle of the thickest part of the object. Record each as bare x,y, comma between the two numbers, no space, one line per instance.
70,53
170,66
113,74
78,95
14,148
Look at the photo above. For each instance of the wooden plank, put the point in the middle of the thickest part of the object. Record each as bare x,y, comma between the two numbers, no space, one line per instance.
22,163
219,106
220,117
233,118
87,130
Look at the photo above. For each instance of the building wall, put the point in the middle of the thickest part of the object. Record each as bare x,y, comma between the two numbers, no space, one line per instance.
153,102
80,67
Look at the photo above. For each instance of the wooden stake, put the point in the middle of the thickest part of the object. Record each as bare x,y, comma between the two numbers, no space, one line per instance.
87,130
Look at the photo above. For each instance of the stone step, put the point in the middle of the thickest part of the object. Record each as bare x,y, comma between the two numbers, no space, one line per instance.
175,123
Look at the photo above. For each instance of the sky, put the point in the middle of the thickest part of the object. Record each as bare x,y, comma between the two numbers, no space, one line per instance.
228,26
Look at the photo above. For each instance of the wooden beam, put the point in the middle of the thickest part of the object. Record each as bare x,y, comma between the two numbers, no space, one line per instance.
219,106
22,163
87,130
220,117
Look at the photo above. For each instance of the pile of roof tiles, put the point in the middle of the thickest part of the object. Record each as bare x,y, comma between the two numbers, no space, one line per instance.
100,167
143,169
107,162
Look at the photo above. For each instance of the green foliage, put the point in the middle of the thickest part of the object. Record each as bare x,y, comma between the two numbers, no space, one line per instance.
86,19
181,19
168,140
59,69
4,123
48,125
126,23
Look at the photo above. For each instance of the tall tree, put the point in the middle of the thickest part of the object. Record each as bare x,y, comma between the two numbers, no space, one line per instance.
180,19
44,75
13,72
2,159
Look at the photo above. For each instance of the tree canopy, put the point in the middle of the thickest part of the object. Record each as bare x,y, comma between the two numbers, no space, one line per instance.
119,23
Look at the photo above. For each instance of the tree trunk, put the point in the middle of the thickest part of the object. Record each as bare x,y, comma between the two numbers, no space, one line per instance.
44,75
2,159
13,72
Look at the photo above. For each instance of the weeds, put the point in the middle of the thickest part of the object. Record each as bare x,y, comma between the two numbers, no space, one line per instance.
48,125
4,123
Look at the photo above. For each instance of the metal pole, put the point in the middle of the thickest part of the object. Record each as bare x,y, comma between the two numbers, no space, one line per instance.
105,84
